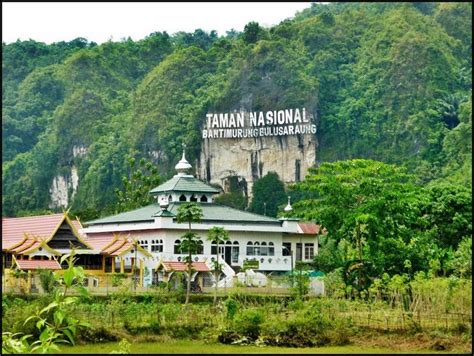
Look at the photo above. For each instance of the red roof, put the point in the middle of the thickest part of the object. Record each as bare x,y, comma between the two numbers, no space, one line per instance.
28,244
100,240
14,229
181,266
117,247
108,244
77,225
37,264
309,228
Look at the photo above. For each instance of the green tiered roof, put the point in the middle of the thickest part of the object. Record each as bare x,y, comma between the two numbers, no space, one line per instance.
211,212
184,183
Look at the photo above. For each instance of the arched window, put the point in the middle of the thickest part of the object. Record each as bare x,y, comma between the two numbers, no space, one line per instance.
144,244
204,199
182,197
177,243
271,249
213,247
249,248
235,252
256,248
200,248
193,198
170,198
264,249
156,245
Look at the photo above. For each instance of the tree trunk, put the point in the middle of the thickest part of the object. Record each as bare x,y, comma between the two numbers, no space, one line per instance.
359,243
217,273
188,286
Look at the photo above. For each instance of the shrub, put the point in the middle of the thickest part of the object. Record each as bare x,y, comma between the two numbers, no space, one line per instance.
97,334
248,323
118,278
231,306
47,280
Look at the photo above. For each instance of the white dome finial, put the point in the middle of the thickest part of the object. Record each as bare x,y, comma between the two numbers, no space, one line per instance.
288,207
183,165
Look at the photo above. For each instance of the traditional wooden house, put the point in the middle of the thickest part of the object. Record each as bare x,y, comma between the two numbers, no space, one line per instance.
37,242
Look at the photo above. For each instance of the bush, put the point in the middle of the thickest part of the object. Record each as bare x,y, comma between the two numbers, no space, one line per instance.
307,327
154,328
231,306
47,280
117,279
248,323
96,335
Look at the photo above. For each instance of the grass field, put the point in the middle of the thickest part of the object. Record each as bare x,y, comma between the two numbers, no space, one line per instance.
200,347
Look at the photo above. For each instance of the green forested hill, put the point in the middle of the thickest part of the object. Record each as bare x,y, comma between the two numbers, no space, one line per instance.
390,82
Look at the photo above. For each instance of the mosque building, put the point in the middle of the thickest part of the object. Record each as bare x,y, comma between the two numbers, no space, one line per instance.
268,244
149,237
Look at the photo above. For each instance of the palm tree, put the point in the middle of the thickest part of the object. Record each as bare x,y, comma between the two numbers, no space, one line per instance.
219,235
189,212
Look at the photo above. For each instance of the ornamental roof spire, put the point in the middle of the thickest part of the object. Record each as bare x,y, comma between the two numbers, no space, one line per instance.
183,166
288,207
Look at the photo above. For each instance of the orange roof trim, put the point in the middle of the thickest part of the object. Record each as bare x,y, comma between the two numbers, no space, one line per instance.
181,266
309,228
37,264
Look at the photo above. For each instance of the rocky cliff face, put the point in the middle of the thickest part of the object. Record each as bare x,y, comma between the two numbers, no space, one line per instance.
249,159
64,186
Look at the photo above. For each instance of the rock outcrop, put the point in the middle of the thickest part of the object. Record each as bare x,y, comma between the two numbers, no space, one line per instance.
252,158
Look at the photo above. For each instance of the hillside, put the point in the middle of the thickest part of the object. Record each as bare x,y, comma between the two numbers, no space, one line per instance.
390,82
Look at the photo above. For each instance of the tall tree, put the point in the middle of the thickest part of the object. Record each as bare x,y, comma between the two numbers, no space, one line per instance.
137,186
189,213
217,235
368,203
268,194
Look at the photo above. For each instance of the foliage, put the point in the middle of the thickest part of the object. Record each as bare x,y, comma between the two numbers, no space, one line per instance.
268,194
47,280
124,347
232,307
117,278
53,322
300,280
235,200
219,236
190,242
248,323
137,186
384,81
462,260
378,220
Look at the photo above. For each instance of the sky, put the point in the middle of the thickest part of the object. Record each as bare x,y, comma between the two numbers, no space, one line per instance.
102,21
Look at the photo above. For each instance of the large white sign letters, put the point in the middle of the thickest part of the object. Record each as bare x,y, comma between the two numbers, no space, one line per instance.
241,124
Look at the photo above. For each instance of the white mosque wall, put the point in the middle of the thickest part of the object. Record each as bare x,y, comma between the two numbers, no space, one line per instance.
167,239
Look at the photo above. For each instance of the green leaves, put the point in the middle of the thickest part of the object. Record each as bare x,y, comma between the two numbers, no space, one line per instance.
379,78
190,243
217,234
189,212
137,186
268,194
54,323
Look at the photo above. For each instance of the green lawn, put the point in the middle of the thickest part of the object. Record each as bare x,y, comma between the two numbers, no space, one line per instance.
200,347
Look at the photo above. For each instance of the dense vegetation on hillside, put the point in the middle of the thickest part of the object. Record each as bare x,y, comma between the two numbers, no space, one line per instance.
378,221
390,82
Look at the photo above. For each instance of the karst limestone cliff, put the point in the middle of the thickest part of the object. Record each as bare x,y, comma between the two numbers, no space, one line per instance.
252,158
